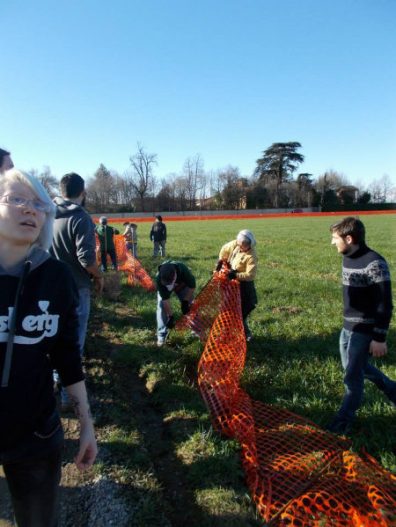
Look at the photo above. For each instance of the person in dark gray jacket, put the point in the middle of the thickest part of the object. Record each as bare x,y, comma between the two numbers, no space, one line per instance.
158,236
74,243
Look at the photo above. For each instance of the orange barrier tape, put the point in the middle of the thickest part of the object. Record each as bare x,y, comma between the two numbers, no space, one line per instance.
136,274
299,475
253,215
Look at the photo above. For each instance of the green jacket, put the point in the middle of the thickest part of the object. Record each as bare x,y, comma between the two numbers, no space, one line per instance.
105,234
184,278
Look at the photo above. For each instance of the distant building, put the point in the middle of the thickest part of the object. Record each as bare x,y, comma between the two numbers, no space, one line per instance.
206,203
347,194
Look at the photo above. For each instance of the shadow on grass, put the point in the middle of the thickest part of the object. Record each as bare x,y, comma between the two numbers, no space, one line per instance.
130,404
305,376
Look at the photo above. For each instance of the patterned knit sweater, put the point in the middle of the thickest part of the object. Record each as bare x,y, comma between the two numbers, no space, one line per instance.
367,293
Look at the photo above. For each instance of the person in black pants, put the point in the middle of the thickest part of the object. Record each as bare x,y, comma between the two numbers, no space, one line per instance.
38,333
158,236
106,239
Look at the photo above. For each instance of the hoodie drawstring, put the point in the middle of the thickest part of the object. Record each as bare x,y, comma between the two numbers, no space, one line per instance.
12,324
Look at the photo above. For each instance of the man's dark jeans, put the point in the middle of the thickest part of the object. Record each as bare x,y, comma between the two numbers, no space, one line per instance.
34,488
354,350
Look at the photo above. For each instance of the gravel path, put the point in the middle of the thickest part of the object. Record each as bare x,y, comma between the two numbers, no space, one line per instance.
87,500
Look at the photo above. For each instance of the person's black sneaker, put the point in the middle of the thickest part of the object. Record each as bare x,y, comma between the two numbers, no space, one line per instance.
339,426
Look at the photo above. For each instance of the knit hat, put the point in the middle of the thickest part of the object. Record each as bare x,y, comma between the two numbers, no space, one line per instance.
246,234
167,273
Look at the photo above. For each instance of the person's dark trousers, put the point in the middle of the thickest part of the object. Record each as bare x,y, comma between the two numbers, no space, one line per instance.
248,303
34,488
103,258
112,254
113,258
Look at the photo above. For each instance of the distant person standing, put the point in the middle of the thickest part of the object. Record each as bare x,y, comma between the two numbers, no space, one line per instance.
158,236
106,239
367,313
5,161
130,235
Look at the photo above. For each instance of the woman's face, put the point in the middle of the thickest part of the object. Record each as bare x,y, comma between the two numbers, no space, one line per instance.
19,224
243,247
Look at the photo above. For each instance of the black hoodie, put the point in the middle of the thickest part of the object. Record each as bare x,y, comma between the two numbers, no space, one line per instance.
45,338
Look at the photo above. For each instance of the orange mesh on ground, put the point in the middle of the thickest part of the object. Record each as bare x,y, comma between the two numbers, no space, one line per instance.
299,475
136,274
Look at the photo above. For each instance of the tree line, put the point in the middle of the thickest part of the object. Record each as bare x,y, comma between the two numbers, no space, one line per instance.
274,183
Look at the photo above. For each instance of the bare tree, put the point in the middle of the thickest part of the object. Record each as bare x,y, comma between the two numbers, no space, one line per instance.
142,178
126,190
166,195
234,188
331,179
202,191
381,190
327,184
47,179
192,172
101,193
181,193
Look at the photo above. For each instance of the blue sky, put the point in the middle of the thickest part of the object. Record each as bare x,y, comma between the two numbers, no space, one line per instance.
83,82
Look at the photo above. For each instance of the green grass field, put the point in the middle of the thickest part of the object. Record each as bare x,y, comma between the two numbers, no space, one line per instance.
293,362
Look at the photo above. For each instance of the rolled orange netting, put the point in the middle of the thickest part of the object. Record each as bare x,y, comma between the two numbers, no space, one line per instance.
298,474
136,274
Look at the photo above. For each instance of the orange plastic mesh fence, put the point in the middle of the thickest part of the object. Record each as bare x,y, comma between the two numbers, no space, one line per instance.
299,475
136,274
218,292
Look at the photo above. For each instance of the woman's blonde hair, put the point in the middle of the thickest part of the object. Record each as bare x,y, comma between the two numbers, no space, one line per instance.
44,239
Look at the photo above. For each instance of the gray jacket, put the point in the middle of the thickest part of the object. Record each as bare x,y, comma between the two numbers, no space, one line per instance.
74,239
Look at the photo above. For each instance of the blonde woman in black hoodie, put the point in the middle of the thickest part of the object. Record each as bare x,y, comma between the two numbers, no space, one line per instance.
38,332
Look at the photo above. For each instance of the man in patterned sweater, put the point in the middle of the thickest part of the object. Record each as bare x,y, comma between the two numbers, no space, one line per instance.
367,314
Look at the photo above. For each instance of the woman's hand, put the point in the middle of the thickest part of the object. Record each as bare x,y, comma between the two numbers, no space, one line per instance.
88,450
